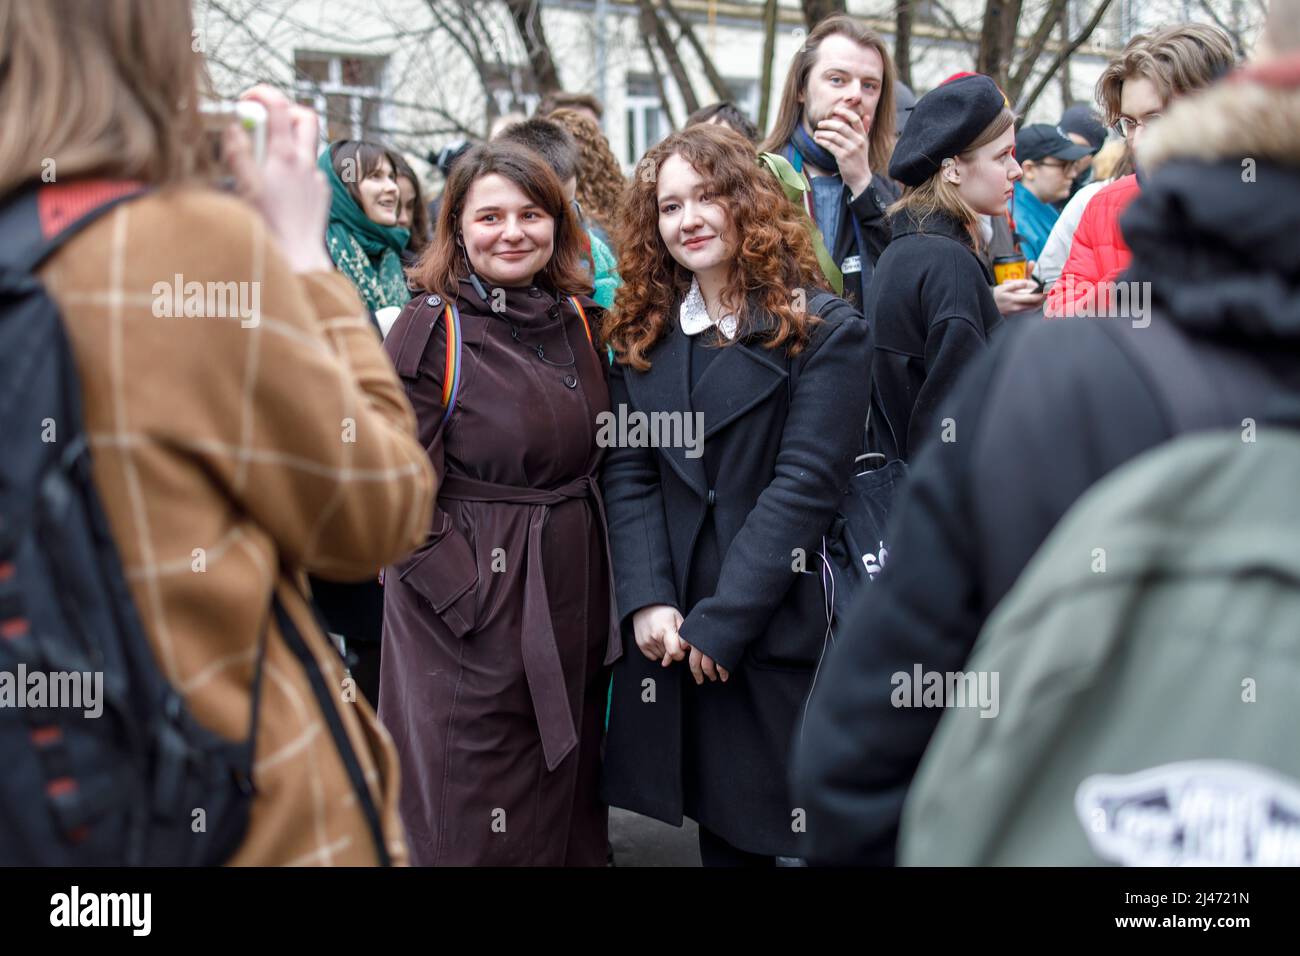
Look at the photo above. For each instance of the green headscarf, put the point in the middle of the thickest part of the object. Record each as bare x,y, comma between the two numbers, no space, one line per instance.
353,239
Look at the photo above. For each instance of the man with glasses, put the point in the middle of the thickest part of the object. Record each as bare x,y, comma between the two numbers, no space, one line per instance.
1135,88
1048,164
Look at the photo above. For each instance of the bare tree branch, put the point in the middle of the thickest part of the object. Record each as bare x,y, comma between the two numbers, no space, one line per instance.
962,32
1062,55
720,88
652,20
1034,49
658,75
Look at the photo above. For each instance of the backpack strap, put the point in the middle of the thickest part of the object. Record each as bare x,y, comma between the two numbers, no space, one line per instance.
1201,384
325,700
38,219
826,305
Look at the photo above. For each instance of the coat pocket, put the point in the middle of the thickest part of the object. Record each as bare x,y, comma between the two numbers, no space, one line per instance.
445,574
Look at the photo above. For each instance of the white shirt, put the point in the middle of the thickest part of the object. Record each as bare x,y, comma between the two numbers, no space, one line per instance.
1056,250
694,315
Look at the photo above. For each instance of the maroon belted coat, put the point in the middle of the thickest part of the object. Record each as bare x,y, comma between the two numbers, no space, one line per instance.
497,631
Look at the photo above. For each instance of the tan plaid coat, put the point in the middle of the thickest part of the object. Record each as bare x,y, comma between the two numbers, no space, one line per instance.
226,447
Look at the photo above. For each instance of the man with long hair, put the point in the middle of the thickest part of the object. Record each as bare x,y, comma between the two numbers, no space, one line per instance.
836,127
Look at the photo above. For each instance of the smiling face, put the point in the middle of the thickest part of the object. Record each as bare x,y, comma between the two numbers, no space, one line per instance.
694,225
508,237
406,207
985,176
379,194
844,73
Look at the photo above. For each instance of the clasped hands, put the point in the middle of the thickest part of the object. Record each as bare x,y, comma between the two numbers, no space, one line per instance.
656,629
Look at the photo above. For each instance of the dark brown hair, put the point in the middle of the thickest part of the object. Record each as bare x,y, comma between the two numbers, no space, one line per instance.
572,101
729,114
550,140
773,260
444,262
881,136
355,159
421,230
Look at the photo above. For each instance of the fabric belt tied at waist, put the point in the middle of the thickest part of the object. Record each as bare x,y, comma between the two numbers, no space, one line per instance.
541,654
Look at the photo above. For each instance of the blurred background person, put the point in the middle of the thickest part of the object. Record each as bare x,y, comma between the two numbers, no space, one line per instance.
1047,162
1150,73
583,103
726,114
1111,162
599,181
1082,126
412,211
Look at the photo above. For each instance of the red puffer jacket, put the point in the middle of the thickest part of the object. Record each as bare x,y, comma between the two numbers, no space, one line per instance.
1098,254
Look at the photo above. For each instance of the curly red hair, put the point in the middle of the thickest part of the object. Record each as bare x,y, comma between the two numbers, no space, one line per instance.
773,259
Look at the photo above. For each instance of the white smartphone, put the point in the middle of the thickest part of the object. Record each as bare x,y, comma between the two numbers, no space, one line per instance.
217,118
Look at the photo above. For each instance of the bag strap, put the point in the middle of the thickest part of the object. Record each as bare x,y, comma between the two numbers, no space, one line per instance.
825,304
294,639
38,219
1201,385
452,363
451,369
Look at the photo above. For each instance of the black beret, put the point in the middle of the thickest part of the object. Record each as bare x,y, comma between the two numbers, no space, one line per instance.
944,123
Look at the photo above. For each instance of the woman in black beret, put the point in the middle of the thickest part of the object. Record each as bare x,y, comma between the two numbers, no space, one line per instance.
931,304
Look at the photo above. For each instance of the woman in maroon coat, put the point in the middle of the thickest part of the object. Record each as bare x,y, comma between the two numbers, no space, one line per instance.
497,631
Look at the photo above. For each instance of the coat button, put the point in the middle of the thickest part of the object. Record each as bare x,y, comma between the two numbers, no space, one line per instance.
713,497
535,292
570,381
434,301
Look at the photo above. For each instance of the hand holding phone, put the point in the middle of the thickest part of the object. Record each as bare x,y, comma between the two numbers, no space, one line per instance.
285,185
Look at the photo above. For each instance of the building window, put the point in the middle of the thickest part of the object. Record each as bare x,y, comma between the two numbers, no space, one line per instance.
345,90
647,123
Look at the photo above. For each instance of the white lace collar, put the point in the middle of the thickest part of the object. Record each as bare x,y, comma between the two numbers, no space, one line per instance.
695,316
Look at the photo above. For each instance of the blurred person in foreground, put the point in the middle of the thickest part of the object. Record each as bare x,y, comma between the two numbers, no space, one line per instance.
1067,404
210,432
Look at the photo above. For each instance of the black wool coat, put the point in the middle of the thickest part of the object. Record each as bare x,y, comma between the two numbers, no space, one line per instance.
931,310
729,539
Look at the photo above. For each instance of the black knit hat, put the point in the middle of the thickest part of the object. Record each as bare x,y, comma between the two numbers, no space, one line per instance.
944,123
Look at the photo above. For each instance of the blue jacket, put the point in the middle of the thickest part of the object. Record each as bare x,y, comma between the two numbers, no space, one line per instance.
1034,221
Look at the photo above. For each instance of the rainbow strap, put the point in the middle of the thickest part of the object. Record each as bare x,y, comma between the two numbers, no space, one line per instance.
451,368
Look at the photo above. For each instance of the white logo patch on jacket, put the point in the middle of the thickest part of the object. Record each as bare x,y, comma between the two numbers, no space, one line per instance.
1193,813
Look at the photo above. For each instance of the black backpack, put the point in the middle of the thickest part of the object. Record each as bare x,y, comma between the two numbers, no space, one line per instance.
141,782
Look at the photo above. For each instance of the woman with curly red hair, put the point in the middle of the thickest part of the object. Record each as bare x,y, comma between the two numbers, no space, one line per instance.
716,511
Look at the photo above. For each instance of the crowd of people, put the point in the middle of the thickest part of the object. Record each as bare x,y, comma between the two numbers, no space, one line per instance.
542,615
